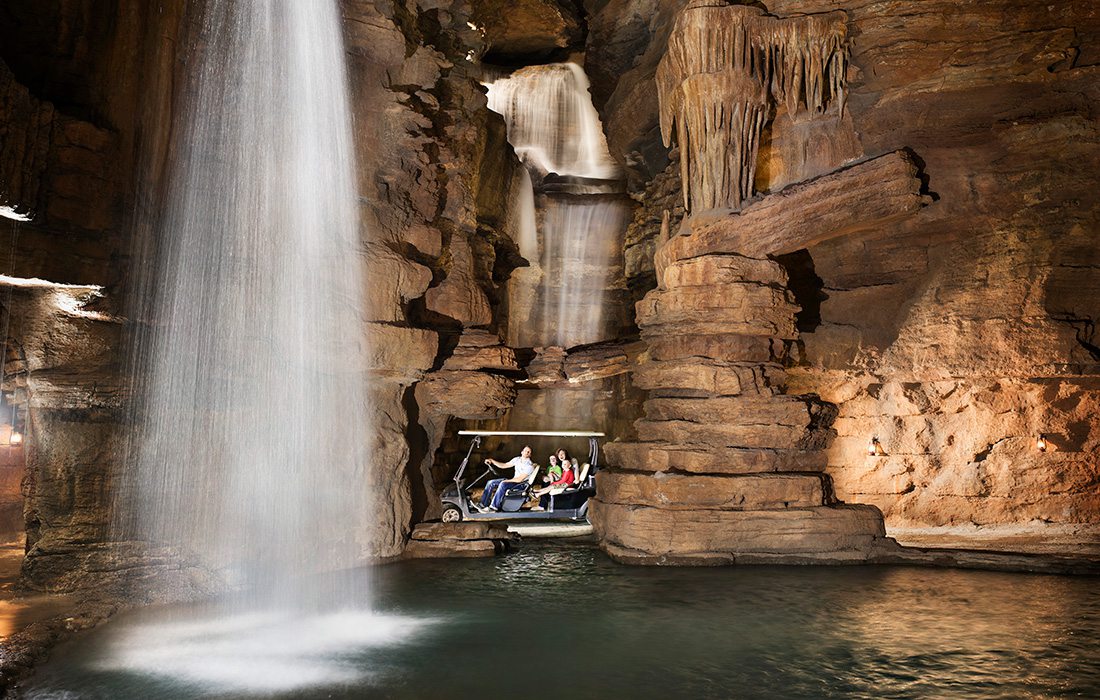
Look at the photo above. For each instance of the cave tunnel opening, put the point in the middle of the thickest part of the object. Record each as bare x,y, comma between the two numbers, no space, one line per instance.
807,287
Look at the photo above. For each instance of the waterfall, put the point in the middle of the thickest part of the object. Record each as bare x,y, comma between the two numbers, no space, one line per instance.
581,237
574,241
253,415
552,124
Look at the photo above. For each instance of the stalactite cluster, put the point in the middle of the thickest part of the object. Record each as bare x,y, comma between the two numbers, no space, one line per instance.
724,66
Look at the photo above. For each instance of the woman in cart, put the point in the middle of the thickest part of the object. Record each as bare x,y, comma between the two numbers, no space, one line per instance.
567,498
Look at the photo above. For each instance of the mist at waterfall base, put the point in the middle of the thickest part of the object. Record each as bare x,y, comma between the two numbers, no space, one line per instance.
251,454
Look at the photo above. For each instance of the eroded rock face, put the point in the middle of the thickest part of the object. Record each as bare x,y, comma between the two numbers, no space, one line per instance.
727,420
461,540
431,169
528,27
720,388
959,332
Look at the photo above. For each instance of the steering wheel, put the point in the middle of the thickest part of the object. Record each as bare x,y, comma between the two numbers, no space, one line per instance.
492,467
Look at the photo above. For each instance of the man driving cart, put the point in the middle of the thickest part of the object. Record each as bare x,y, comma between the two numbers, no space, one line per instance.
497,489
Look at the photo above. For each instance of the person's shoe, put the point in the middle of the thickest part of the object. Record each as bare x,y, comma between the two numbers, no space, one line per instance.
537,509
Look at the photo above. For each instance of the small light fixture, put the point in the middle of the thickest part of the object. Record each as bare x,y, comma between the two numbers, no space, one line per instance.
1041,443
16,438
874,448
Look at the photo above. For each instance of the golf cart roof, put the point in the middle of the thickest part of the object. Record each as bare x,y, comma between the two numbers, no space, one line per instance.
519,433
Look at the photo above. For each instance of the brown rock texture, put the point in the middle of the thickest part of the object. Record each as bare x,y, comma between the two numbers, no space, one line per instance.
93,91
433,540
648,535
472,385
719,387
957,333
722,66
752,453
526,27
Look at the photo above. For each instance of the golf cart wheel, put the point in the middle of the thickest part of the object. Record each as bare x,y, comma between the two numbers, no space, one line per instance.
451,514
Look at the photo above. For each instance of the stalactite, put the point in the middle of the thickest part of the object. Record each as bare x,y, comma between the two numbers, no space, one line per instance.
724,66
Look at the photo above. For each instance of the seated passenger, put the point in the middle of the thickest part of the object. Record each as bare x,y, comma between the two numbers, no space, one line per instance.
563,457
553,472
497,489
567,479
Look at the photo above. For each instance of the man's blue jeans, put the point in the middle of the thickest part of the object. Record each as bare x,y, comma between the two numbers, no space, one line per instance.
490,489
497,489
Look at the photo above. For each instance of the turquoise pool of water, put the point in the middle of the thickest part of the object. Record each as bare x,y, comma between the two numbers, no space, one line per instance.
563,621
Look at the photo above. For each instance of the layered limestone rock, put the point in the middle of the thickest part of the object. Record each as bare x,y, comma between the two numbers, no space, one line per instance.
728,466
432,164
719,425
736,460
959,333
474,383
433,169
84,101
55,170
458,540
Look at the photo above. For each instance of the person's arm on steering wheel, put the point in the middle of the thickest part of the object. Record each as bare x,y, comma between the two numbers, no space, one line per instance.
505,465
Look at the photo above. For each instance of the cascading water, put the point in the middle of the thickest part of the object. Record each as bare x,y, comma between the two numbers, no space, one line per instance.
552,124
250,460
252,448
581,240
577,258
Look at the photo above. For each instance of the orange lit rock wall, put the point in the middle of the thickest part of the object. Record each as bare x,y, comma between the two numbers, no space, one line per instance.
958,335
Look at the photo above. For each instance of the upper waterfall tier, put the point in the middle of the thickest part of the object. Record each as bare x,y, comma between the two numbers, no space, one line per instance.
551,121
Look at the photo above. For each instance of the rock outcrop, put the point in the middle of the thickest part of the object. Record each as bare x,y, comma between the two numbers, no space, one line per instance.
734,461
432,165
955,334
728,465
458,540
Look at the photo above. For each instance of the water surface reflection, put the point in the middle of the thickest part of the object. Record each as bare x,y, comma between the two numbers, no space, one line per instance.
562,619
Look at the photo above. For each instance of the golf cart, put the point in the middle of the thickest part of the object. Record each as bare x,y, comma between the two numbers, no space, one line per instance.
568,503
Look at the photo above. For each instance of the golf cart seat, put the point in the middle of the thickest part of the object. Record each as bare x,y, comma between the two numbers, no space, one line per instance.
514,500
578,481
572,496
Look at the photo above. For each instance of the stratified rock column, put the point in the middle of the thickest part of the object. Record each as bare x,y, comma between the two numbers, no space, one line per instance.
730,468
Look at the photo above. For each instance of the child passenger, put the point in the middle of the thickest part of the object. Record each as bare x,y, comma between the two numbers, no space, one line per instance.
553,472
567,479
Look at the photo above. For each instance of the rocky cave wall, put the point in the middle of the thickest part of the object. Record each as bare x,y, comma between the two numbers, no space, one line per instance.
956,336
85,130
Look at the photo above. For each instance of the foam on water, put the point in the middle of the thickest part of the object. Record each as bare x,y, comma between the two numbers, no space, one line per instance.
260,652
